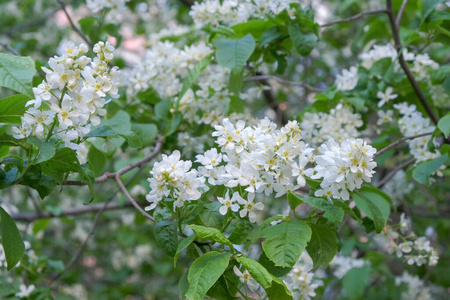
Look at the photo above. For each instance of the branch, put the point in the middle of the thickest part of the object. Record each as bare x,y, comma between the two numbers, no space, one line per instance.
10,49
124,190
400,13
399,141
140,163
75,28
404,65
356,17
393,172
283,81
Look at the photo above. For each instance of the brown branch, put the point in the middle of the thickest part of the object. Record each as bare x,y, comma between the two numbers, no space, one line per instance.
283,81
30,217
399,141
400,13
404,65
10,49
140,163
133,202
393,172
75,28
356,17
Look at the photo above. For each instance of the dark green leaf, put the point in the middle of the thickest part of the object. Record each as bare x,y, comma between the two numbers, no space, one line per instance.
13,245
46,149
355,281
303,42
332,212
12,108
181,246
373,205
444,125
425,169
258,272
211,234
233,54
167,237
278,290
322,247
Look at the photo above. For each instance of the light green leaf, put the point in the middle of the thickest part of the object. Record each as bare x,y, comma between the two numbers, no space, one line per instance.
286,241
211,234
181,246
233,54
101,131
167,237
278,290
146,133
374,206
13,245
12,108
444,125
204,272
355,281
423,170
46,149
303,42
322,247
64,161
332,212
258,272
16,72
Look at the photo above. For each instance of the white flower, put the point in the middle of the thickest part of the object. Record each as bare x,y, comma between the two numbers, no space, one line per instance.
245,278
228,203
249,207
347,80
405,247
386,96
25,291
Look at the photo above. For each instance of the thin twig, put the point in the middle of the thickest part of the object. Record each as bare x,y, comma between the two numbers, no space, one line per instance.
74,27
404,65
399,141
142,162
400,13
344,222
356,17
283,81
124,190
10,49
393,172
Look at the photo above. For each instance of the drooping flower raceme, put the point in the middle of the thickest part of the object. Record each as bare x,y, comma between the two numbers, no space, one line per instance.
173,178
343,167
75,91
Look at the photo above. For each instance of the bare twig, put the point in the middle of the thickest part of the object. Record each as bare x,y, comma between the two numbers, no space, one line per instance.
399,141
124,190
400,13
142,162
10,49
74,27
344,222
283,81
356,17
393,172
404,65
30,217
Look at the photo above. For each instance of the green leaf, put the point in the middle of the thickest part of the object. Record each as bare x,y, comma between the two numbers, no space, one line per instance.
181,246
211,234
13,245
132,139
233,54
167,237
204,272
46,149
146,133
64,161
210,215
270,35
16,72
285,242
332,212
183,285
101,131
425,169
303,42
193,74
374,206
354,282
244,230
12,108
278,290
42,183
270,266
322,247
97,159
428,6
444,125
39,225
258,272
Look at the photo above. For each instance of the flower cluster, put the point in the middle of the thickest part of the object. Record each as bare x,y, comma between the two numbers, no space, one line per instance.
116,7
348,79
339,123
414,250
413,123
344,167
74,92
301,280
231,12
342,264
415,288
172,178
